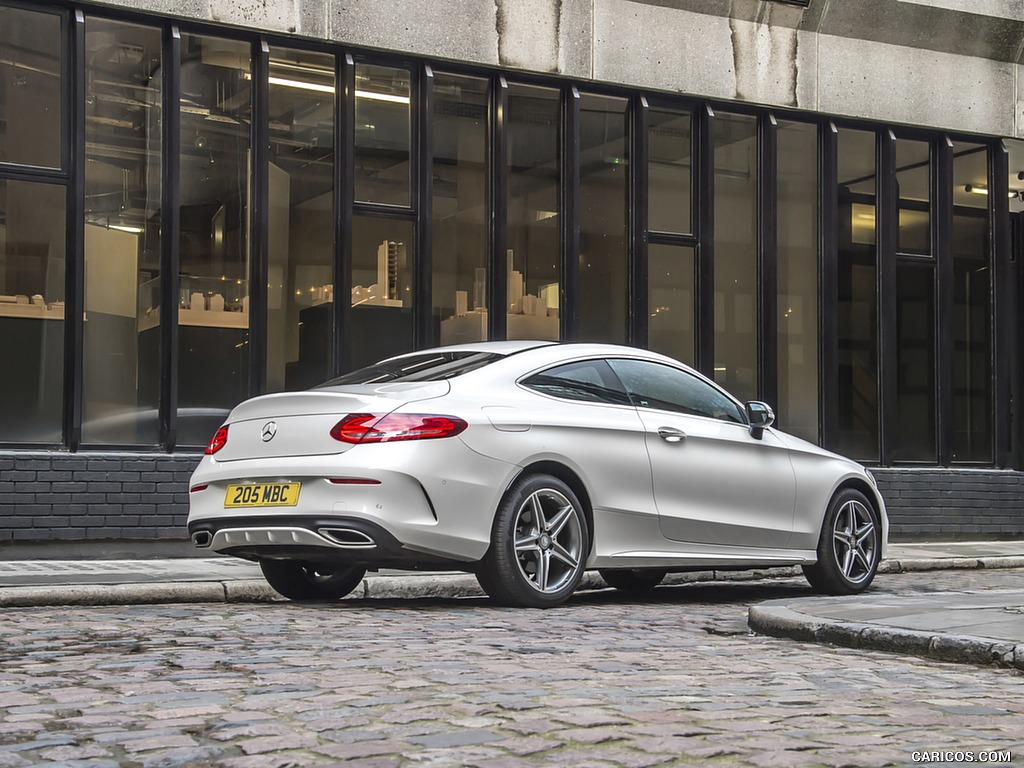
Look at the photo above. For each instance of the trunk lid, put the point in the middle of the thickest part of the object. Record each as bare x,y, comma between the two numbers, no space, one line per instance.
301,421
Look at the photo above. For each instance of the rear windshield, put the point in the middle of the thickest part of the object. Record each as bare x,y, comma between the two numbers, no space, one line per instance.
432,366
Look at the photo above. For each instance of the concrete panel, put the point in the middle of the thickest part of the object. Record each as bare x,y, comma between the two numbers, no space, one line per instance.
276,15
1018,113
528,33
914,86
665,48
576,39
452,29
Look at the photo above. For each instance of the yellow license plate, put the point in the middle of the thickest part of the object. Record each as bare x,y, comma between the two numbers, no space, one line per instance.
262,495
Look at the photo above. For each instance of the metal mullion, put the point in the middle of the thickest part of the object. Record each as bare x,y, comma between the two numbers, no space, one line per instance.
170,234
767,266
259,206
828,284
497,208
344,183
942,240
74,263
569,216
886,236
637,206
1006,318
422,161
704,355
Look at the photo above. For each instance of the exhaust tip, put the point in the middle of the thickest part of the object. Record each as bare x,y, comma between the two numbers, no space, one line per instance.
202,539
348,537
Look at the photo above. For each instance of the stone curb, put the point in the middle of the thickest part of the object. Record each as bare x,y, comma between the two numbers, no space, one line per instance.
396,587
779,618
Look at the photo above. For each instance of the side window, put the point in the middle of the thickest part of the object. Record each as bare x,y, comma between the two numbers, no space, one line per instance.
590,381
652,385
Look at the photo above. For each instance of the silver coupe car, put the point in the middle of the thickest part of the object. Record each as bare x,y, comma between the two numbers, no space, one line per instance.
527,463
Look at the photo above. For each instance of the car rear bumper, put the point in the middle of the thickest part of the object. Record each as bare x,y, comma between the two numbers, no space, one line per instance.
431,502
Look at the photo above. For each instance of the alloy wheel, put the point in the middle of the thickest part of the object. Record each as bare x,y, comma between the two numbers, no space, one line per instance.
549,540
853,534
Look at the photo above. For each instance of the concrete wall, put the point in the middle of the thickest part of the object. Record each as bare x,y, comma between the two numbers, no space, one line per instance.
941,63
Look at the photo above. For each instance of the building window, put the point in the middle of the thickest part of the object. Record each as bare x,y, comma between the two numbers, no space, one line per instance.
214,166
736,254
32,259
300,224
382,300
121,335
31,107
669,171
972,307
382,136
459,209
914,433
670,301
532,259
797,270
604,257
856,304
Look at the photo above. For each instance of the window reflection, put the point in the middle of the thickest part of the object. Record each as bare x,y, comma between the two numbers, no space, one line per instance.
797,264
300,225
857,398
972,307
460,209
121,381
32,224
603,259
30,87
736,254
669,171
532,260
382,134
914,432
670,300
382,267
213,305
913,179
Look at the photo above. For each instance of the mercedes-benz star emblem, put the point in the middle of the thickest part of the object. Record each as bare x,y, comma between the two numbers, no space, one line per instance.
269,430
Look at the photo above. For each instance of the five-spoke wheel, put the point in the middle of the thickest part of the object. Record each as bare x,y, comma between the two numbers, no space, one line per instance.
539,544
849,547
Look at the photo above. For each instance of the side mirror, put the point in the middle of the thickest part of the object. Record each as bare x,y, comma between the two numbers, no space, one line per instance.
760,416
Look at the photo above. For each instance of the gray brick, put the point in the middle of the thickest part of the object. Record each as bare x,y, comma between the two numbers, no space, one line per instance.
20,475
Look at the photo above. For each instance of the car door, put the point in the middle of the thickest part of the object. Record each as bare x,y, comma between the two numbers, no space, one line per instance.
714,483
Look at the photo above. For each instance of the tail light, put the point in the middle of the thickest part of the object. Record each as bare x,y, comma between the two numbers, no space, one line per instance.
218,441
370,428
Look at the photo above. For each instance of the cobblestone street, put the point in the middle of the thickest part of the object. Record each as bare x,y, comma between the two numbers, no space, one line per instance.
605,680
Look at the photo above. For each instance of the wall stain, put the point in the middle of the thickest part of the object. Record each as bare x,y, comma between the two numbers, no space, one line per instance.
764,59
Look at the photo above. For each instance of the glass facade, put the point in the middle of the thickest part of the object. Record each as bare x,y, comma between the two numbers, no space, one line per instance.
857,300
797,270
736,271
123,146
230,191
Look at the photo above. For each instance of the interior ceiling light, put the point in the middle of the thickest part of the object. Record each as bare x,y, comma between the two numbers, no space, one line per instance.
980,189
360,94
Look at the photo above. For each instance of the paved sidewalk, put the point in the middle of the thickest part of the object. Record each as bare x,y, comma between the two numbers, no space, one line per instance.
981,628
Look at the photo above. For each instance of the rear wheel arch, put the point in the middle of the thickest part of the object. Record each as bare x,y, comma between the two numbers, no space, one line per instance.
570,478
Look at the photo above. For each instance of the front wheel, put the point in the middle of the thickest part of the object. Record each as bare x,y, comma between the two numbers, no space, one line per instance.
849,546
539,545
304,582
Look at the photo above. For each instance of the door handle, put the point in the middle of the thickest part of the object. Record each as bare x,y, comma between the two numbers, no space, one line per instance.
671,434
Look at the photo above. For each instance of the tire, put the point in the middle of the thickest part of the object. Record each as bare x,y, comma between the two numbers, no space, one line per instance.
305,582
539,545
633,579
849,546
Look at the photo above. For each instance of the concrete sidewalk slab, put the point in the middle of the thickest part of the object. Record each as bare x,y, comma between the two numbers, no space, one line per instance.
969,627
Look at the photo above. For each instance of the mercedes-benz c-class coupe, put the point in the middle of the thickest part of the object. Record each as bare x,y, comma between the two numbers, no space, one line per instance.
527,463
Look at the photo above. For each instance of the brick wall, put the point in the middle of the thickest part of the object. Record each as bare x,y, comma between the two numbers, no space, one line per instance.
953,503
55,497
